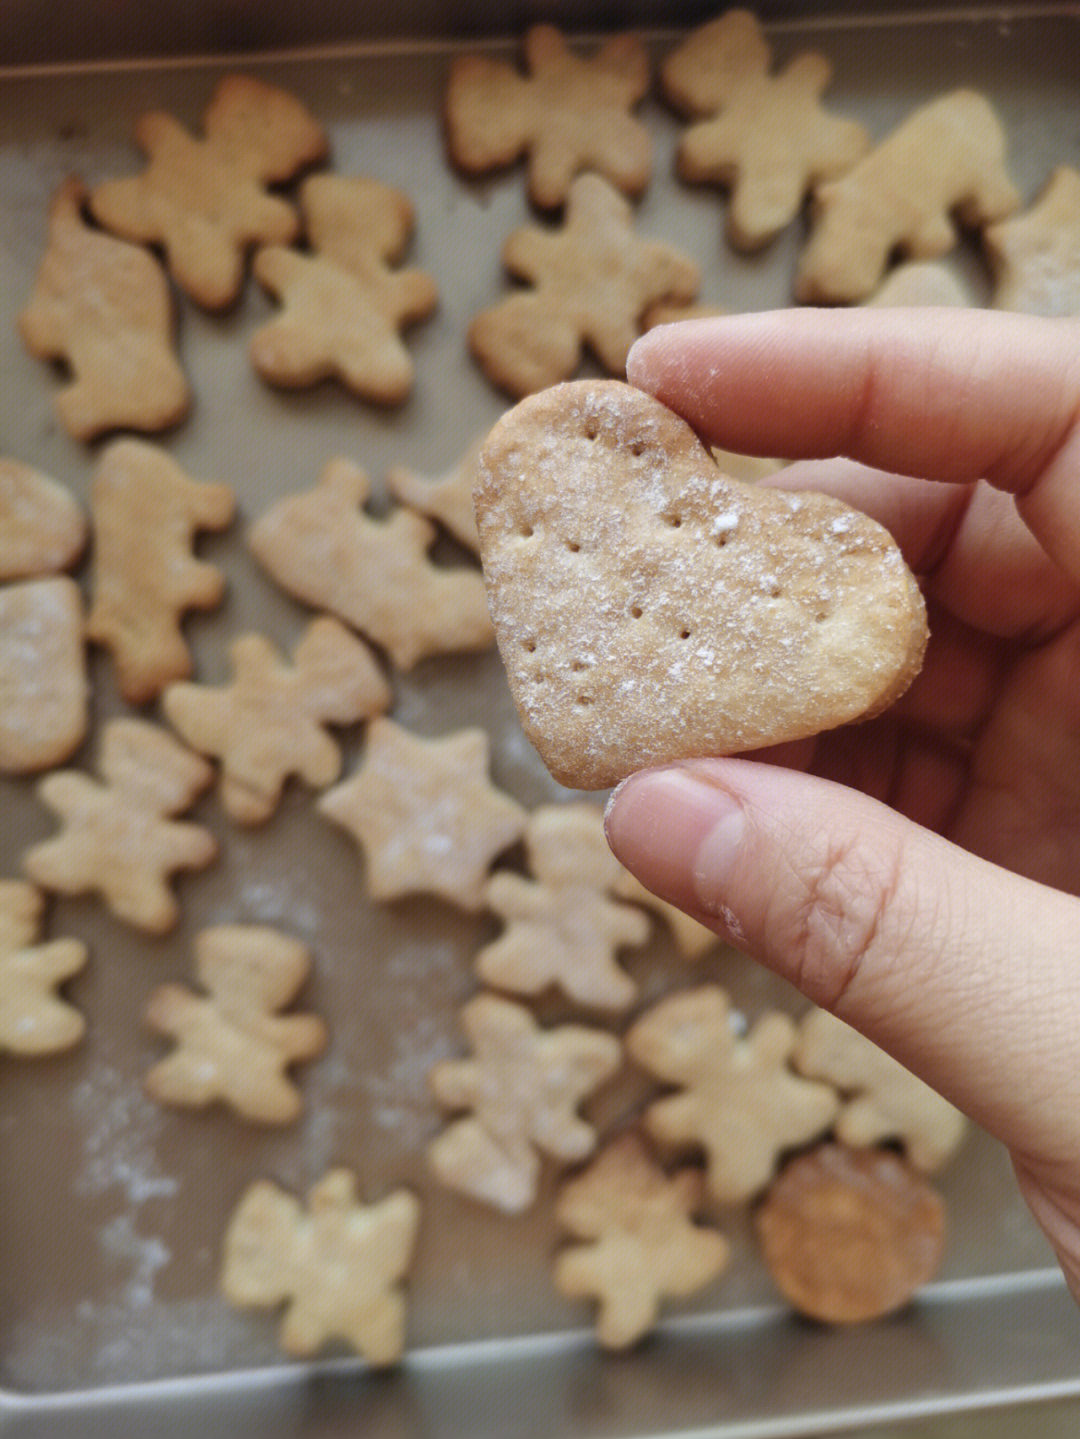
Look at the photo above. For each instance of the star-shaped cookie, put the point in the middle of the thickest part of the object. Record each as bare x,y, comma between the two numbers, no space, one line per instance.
593,281
206,200
768,137
425,813
344,304
737,1099
375,574
1036,255
522,1089
568,114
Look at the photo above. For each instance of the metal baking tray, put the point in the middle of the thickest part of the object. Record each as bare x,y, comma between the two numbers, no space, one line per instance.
111,1208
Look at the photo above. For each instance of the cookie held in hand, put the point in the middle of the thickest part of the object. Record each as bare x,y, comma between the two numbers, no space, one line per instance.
649,609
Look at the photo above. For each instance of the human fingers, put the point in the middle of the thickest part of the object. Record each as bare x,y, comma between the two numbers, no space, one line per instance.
969,975
974,552
946,395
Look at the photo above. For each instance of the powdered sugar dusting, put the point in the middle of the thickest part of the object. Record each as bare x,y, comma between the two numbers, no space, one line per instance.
648,607
118,1129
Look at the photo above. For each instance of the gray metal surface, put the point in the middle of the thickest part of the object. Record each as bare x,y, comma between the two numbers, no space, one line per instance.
111,1210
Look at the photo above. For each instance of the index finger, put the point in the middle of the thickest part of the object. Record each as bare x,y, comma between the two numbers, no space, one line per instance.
946,395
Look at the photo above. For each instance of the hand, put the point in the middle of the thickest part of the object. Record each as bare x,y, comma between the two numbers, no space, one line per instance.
915,874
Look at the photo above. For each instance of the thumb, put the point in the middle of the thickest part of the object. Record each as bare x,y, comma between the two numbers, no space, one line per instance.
965,973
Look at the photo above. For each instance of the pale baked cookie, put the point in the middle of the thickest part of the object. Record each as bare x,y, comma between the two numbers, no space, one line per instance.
206,200
881,1099
337,1265
446,498
642,1244
920,282
592,283
344,305
118,837
44,687
270,721
103,307
33,1017
647,608
568,114
692,938
231,1042
1036,255
147,512
42,526
850,1235
567,845
946,160
767,138
737,1099
323,549
425,814
522,1090
565,929
561,933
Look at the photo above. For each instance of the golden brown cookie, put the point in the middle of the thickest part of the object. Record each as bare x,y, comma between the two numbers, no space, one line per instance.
44,687
270,722
648,608
103,307
567,113
522,1089
337,1265
642,1244
343,304
147,512
850,1235
375,574
42,525
736,1099
767,137
592,283
231,1043
446,498
206,200
945,162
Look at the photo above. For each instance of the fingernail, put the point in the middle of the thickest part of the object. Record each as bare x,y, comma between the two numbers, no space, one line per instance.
679,834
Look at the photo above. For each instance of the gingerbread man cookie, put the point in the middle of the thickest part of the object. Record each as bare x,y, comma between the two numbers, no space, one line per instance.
568,114
767,138
337,1265
592,283
344,304
206,200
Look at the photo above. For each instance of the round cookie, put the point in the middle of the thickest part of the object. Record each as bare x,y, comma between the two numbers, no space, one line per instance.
850,1235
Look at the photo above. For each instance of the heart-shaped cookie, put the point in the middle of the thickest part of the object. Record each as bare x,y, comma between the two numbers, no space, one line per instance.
648,608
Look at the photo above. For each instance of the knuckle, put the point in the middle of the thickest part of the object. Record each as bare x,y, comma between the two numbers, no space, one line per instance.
841,912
